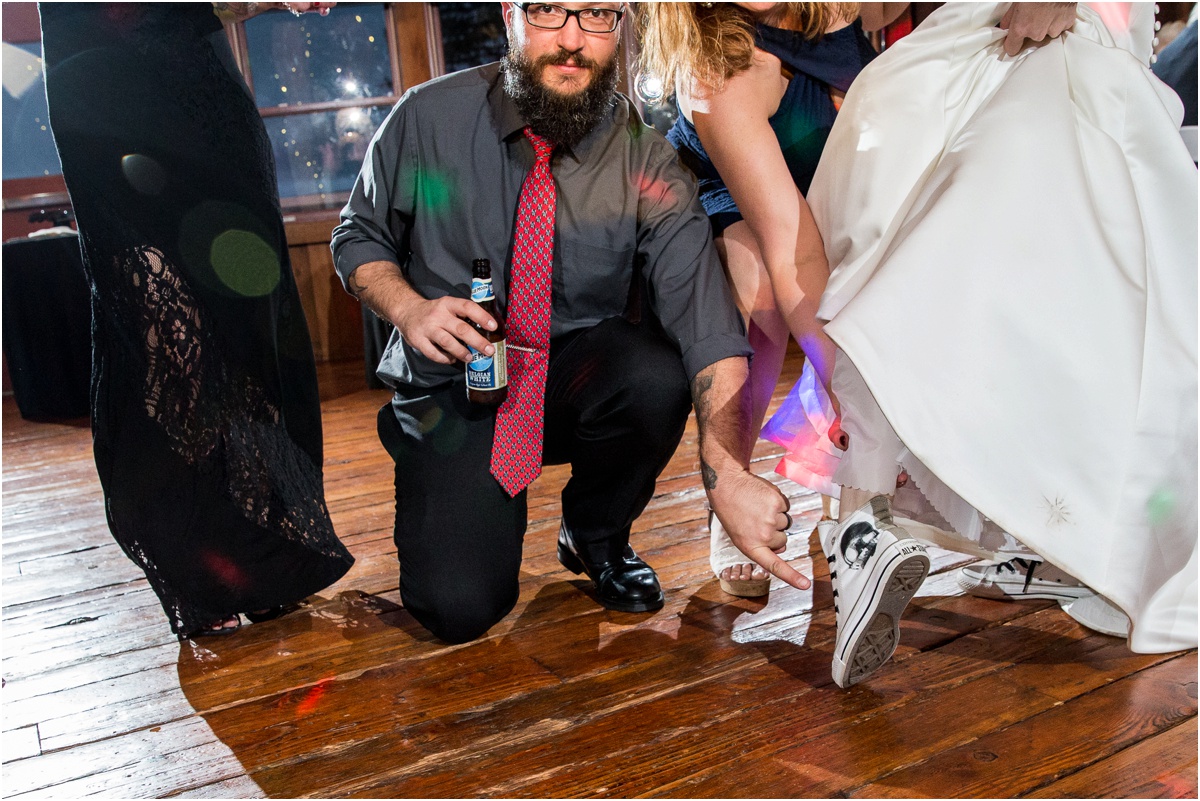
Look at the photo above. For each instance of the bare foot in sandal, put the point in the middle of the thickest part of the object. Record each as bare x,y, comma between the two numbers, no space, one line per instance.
737,574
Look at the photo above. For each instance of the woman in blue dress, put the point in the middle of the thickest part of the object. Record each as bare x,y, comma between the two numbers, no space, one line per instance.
758,86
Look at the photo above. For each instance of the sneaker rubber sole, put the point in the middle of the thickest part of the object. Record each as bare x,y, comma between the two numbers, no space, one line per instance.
1098,614
875,623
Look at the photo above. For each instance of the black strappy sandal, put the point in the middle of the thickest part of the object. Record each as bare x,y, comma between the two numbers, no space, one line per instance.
270,614
220,631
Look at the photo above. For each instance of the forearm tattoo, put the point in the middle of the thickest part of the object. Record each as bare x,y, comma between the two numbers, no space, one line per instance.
356,285
701,385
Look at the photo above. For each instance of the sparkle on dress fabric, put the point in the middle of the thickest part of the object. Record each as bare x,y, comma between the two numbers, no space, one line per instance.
517,447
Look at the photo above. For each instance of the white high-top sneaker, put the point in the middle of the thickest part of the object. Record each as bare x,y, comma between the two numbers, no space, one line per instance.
876,568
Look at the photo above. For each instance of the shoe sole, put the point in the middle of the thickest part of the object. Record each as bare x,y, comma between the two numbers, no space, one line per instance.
875,628
1106,621
271,614
573,563
746,588
1015,590
653,605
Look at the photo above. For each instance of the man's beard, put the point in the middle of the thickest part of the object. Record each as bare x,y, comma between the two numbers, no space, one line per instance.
563,119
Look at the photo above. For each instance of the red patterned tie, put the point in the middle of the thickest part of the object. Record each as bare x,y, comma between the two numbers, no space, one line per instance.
517,447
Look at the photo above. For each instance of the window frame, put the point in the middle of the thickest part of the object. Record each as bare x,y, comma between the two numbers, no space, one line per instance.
415,56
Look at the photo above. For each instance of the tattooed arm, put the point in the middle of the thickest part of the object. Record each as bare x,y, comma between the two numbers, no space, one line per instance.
753,510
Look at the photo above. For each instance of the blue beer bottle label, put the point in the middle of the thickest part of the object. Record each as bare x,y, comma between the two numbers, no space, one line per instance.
481,290
488,372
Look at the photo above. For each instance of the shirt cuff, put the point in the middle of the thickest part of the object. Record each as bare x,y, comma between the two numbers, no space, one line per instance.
713,349
349,256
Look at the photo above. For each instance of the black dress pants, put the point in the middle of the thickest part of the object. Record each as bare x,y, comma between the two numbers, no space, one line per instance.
617,399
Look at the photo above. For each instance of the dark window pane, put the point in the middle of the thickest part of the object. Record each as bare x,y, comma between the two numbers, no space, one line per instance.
28,147
318,154
472,34
314,59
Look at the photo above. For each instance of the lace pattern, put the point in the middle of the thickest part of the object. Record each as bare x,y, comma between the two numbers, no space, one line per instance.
214,417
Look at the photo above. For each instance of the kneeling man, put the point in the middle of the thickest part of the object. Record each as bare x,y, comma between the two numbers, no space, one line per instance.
538,165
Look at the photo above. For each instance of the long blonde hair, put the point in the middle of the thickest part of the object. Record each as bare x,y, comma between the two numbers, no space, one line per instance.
709,43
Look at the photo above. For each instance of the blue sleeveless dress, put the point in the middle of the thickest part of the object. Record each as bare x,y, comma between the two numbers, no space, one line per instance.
805,116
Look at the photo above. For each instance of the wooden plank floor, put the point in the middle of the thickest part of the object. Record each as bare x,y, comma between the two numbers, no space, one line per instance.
710,697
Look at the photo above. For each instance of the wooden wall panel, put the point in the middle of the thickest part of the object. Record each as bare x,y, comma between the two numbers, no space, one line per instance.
334,317
415,43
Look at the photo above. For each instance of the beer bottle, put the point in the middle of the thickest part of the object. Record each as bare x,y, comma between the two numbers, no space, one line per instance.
487,376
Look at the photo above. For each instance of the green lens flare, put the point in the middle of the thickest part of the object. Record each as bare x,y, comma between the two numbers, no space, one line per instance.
1160,506
436,192
245,263
429,421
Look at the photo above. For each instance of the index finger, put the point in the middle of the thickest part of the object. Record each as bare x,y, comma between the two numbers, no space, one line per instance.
768,561
470,310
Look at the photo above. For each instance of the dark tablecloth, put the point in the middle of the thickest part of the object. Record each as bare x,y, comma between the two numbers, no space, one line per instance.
47,326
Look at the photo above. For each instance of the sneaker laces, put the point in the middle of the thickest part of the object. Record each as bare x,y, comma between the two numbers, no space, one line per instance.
1029,566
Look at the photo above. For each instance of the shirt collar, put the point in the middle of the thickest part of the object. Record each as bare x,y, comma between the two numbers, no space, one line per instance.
508,119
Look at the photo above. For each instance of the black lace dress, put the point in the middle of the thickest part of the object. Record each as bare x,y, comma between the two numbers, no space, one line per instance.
205,415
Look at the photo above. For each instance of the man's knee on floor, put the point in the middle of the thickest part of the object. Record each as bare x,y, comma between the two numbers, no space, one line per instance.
462,611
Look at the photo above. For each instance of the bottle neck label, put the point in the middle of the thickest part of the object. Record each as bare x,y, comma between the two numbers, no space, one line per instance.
481,290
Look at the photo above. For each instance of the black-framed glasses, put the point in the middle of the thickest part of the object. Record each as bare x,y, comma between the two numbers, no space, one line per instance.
552,17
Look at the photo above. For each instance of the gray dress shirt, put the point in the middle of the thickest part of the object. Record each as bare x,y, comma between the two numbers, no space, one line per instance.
439,188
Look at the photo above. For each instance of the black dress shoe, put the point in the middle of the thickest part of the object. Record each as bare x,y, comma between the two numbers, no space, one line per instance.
627,584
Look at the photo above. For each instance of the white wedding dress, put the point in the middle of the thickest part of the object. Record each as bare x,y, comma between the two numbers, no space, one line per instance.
1013,251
